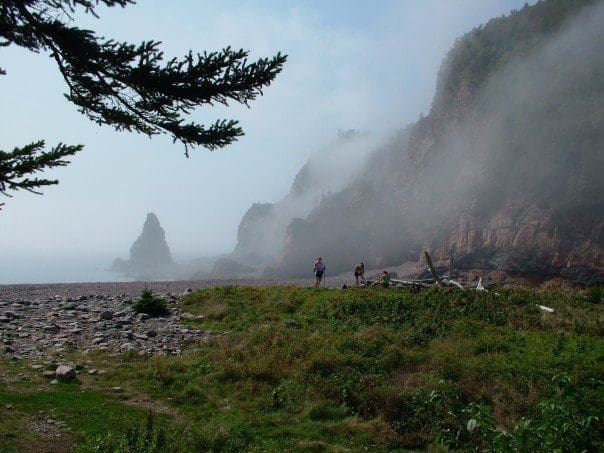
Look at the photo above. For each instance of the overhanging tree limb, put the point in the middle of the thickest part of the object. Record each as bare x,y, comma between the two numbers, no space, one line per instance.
16,165
128,86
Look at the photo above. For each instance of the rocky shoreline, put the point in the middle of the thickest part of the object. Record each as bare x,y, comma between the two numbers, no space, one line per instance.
50,327
19,292
45,321
41,321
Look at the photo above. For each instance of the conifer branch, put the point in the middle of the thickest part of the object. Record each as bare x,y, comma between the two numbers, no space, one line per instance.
16,165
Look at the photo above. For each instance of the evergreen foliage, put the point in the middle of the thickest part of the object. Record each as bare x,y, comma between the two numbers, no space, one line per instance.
16,165
477,55
131,87
148,303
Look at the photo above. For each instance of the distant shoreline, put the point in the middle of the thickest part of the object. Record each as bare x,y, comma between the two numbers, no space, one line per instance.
36,291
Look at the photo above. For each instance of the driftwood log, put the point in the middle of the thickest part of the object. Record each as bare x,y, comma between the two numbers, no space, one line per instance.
436,280
442,281
445,281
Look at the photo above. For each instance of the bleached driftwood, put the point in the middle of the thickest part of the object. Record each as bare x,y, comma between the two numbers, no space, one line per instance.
479,286
441,281
426,283
449,282
445,281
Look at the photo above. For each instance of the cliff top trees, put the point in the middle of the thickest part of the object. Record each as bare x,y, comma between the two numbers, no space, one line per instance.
130,87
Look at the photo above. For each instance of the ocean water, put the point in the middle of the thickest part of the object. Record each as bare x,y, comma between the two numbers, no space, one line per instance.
16,269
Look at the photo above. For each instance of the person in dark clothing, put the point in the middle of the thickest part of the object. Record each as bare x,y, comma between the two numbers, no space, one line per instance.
319,270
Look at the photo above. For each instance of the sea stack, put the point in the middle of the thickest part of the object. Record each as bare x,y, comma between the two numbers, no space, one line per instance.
151,250
149,255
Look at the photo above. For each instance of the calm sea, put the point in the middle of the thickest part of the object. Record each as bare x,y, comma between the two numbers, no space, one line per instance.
57,269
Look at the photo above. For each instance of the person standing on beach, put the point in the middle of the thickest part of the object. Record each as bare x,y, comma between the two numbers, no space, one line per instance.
359,271
319,270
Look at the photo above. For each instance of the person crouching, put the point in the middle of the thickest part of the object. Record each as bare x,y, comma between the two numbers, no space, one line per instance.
383,280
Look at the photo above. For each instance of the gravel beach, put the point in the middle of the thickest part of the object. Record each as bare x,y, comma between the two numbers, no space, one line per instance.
19,292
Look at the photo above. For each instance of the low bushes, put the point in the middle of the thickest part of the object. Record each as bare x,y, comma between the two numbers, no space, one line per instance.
291,369
150,304
438,367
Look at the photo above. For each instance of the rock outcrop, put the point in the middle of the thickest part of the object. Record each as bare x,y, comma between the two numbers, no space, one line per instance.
504,171
150,255
256,242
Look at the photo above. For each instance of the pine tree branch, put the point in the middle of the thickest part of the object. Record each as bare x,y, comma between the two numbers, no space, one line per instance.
128,87
16,165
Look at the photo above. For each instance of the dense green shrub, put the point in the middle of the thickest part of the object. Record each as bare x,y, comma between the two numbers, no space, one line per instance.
595,295
148,303
567,421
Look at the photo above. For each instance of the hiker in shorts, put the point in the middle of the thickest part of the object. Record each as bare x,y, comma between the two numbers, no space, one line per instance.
359,271
383,280
319,270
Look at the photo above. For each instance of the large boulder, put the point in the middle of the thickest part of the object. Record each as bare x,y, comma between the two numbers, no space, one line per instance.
65,373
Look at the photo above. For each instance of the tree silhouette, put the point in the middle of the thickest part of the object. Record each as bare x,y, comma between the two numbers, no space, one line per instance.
127,86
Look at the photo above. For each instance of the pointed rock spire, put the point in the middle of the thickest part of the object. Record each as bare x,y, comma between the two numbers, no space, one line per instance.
149,255
151,250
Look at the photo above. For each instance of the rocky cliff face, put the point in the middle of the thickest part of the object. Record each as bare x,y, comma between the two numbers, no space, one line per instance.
504,172
263,229
523,237
150,255
256,243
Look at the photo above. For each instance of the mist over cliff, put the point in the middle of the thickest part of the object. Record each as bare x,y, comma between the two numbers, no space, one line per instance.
329,170
504,171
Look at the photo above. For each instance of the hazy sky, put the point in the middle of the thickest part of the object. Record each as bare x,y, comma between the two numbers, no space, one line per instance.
369,65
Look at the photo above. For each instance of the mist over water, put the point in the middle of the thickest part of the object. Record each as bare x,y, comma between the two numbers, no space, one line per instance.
18,269
350,66
36,268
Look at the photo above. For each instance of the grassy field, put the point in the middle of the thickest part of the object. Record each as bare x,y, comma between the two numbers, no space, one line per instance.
305,369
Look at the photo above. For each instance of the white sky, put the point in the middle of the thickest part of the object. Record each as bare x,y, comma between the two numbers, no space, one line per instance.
369,65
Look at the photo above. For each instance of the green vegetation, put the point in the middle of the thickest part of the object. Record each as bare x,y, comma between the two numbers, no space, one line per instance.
304,369
150,304
479,54
557,129
149,436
